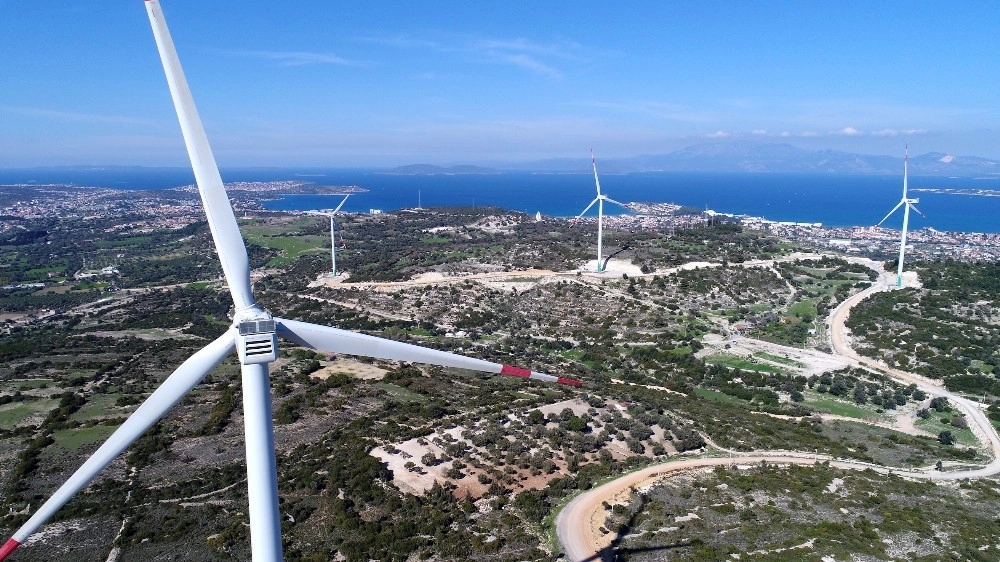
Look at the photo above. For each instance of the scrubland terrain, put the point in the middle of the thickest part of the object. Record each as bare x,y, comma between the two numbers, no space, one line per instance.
380,460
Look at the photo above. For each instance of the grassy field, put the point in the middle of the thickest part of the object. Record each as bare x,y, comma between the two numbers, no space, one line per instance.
734,362
779,359
285,238
100,406
838,407
122,242
717,396
402,393
67,440
14,413
22,385
935,426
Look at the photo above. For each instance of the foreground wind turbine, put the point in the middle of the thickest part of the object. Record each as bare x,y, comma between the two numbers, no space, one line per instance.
600,199
333,235
907,204
253,334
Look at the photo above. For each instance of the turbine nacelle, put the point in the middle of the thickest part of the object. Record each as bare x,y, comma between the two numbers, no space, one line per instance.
257,339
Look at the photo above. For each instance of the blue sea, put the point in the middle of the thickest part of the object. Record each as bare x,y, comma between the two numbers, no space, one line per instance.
834,200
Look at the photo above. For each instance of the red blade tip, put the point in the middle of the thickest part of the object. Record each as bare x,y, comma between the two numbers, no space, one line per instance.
8,547
515,371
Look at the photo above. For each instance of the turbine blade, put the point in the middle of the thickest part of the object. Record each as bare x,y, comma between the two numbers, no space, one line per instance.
341,203
620,204
179,383
334,340
221,220
917,210
588,208
339,231
597,182
898,205
906,162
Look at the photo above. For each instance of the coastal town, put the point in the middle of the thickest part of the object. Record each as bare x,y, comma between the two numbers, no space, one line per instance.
146,211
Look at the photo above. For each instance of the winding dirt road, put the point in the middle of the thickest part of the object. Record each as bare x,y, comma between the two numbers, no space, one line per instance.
579,524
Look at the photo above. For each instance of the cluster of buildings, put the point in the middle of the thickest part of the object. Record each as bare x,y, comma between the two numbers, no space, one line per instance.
141,211
145,211
874,241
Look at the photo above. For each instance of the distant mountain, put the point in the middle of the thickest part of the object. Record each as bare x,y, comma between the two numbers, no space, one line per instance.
431,170
749,156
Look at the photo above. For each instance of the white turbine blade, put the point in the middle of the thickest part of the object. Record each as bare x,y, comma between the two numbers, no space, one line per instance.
334,340
917,210
225,231
597,182
342,203
898,205
906,162
179,383
587,209
622,205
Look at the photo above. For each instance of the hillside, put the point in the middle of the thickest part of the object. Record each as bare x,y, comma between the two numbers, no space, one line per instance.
706,340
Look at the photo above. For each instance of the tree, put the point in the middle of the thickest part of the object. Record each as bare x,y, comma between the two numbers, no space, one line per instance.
946,438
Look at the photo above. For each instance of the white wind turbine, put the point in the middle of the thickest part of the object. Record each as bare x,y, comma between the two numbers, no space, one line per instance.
253,334
600,199
907,204
333,235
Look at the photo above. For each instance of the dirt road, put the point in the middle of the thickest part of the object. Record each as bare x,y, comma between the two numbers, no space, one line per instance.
579,524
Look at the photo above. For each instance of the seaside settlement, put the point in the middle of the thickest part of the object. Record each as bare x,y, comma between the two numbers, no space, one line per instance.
147,211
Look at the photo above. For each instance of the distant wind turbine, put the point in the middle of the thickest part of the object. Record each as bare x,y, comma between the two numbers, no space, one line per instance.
333,235
600,199
253,334
907,204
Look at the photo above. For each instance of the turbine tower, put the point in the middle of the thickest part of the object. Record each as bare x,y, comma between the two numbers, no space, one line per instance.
907,204
333,235
254,334
600,199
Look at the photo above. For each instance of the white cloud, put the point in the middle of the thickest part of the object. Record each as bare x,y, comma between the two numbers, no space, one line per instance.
848,132
718,135
885,133
759,132
525,61
296,58
72,116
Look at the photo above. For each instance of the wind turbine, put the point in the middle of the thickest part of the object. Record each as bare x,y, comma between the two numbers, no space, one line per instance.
333,235
254,335
600,199
907,204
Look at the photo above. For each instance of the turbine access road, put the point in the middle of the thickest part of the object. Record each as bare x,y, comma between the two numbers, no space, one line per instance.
579,523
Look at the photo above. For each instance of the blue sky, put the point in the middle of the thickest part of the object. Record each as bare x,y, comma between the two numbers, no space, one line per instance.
326,83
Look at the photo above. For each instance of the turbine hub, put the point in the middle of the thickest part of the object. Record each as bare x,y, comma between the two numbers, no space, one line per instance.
256,338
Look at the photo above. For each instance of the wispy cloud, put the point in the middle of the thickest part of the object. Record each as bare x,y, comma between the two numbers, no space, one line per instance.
719,135
525,61
897,133
540,58
296,58
58,115
848,132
